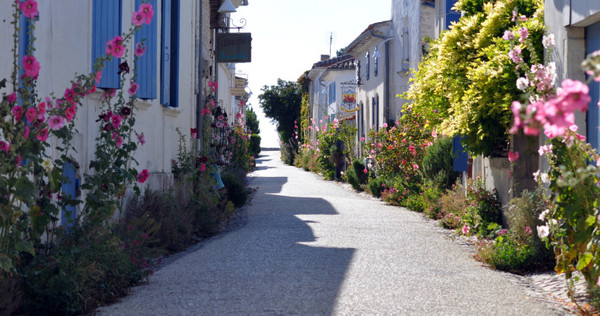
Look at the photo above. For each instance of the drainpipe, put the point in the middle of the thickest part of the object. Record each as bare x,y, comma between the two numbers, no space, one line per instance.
199,96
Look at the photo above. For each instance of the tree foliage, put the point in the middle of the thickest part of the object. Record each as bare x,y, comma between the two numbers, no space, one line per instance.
252,123
282,103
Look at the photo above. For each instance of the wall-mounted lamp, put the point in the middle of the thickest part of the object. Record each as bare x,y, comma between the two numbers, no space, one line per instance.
227,7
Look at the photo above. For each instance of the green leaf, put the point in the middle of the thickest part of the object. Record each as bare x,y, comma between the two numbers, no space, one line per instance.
24,188
590,221
584,260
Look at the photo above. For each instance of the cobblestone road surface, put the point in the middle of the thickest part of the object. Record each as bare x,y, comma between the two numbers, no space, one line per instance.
312,247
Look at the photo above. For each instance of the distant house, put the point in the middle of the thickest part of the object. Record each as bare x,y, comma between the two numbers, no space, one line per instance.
331,89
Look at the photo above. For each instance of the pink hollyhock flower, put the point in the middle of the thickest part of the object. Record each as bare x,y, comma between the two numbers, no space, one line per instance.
43,135
116,121
31,66
574,96
548,41
139,49
143,176
528,230
98,76
141,139
109,47
385,125
365,171
515,55
415,166
115,47
17,112
19,160
523,33
508,36
12,98
70,113
147,12
29,8
114,135
4,146
69,95
137,18
202,167
31,114
133,88
465,229
119,141
56,122
26,131
513,156
213,85
362,139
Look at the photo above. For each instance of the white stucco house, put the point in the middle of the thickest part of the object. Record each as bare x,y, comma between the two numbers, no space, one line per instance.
173,74
332,86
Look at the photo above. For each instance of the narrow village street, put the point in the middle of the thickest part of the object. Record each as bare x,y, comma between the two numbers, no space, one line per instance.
312,247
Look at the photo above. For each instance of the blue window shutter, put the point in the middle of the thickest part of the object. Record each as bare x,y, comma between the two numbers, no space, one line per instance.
460,162
70,185
170,59
146,65
24,41
592,35
106,24
376,61
451,15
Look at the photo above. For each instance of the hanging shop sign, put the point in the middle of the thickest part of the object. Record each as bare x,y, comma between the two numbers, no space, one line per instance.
349,100
233,47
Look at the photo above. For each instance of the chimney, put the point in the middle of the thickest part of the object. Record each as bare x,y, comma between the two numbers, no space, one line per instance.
324,57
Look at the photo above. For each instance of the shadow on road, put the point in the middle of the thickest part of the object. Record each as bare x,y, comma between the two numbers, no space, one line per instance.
290,277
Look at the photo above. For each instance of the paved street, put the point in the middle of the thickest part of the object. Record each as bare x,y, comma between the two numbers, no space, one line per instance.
312,247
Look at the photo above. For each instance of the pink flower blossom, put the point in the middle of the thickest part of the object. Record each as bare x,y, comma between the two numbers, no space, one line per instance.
212,84
202,167
508,36
513,156
139,49
141,139
115,47
70,113
137,18
119,141
365,171
116,121
147,12
17,112
415,166
528,230
70,95
31,66
31,114
12,98
133,89
143,176
43,135
465,229
4,146
548,41
362,139
98,76
515,55
523,34
26,131
56,122
29,8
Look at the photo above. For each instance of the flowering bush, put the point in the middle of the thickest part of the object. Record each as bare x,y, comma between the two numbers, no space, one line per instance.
466,84
336,145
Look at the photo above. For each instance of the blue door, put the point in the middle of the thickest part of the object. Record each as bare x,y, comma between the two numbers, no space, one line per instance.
592,35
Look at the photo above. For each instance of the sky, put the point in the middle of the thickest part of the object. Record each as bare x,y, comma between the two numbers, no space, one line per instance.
289,36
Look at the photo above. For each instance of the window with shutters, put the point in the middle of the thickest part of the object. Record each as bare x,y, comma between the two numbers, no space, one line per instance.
592,36
169,77
332,92
106,24
146,65
376,61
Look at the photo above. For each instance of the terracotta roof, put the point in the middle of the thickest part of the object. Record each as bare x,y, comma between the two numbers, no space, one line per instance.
341,60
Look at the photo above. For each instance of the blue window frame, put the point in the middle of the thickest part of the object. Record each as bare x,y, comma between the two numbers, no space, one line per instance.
367,66
332,92
106,24
146,65
169,77
592,35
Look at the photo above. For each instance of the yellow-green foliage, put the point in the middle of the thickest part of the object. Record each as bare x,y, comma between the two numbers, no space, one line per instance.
466,84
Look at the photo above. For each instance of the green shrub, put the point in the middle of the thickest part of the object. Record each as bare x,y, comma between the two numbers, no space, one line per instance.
453,206
236,190
484,209
376,186
254,147
359,169
506,253
438,163
353,179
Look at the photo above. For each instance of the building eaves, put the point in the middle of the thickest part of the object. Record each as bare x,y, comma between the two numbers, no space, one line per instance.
328,62
366,35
